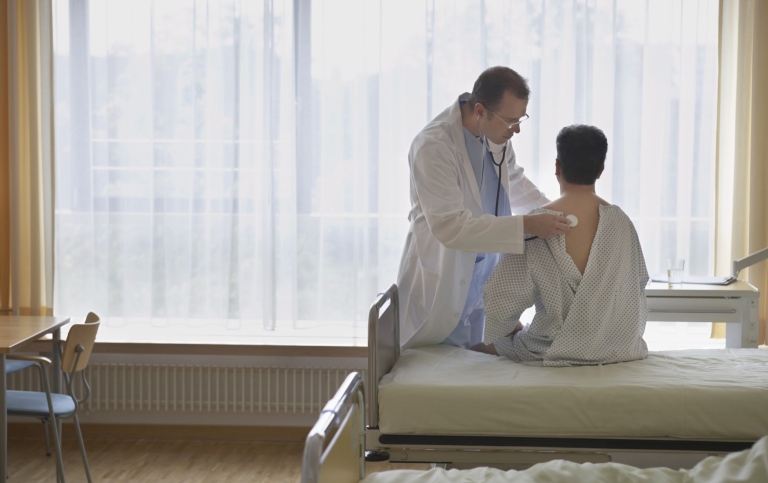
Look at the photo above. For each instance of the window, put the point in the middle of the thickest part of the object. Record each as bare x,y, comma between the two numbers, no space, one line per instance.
232,171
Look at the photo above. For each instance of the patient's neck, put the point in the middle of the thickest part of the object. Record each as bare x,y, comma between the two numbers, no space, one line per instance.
567,188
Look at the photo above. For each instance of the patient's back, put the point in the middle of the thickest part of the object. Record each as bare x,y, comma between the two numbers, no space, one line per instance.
578,241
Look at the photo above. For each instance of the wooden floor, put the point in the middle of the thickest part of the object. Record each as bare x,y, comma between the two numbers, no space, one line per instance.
165,461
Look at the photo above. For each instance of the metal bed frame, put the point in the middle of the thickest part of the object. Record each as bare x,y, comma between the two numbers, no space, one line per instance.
516,452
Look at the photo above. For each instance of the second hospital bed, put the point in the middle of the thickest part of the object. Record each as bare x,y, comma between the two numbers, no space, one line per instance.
443,404
333,453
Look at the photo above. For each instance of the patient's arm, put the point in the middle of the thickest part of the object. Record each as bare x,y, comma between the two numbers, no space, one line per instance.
508,292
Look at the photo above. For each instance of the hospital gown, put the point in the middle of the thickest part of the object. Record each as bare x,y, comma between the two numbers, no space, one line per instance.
597,318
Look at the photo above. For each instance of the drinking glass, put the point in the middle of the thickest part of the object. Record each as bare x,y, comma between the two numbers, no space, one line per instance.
675,267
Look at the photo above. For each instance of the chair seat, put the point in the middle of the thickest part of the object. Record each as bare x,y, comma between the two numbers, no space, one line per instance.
31,403
14,365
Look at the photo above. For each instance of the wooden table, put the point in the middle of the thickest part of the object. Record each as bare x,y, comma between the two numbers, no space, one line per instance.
15,333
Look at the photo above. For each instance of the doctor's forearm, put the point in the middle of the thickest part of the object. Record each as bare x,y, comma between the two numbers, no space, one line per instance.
487,234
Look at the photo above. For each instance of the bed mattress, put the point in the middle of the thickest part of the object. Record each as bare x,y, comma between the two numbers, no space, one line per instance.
712,395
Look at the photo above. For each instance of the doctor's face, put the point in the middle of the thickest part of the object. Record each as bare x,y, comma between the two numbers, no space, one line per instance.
500,124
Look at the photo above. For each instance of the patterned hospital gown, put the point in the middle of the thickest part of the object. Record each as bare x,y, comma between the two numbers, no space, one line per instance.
597,318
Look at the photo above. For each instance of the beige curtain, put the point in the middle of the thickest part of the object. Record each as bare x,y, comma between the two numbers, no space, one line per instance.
742,144
26,160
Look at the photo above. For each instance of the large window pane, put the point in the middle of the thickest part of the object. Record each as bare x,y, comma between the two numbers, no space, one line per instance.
233,171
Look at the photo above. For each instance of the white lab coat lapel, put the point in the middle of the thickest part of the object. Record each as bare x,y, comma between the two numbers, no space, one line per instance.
457,133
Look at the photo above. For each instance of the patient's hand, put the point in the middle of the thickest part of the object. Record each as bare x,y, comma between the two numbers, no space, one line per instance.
486,348
490,348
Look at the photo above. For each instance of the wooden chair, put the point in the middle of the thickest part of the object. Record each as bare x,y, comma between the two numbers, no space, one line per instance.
15,365
75,353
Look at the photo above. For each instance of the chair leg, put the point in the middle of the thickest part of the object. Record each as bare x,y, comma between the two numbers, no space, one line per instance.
59,460
47,437
82,448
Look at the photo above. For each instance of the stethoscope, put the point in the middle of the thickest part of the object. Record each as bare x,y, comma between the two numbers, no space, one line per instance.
498,165
574,221
572,218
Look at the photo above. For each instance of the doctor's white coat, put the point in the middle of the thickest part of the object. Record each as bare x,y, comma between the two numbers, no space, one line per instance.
448,228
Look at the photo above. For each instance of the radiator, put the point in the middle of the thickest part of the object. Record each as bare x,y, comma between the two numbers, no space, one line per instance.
120,387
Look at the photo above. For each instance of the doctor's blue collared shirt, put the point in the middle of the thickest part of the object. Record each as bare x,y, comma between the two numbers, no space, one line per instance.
469,330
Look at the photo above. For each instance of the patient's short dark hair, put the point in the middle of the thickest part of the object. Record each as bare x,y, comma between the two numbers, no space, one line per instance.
491,85
581,150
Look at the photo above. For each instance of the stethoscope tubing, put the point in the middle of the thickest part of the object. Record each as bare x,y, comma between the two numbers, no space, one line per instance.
498,165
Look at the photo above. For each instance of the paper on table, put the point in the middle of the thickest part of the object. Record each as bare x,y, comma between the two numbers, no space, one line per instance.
697,279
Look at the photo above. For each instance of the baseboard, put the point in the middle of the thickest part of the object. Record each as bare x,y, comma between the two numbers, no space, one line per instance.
168,432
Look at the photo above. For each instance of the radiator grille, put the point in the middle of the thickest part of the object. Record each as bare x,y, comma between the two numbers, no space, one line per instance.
193,388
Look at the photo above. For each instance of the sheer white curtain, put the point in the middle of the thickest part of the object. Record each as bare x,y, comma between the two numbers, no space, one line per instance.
237,170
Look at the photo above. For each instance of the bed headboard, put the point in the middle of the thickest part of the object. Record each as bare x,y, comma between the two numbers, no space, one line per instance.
383,346
333,451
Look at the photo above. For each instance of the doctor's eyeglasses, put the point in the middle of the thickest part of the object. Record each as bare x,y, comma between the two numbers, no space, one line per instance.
511,124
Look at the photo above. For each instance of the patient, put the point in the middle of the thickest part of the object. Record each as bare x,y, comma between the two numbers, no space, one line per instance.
588,285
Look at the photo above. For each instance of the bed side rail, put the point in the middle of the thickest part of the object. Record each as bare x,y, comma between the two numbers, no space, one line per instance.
383,346
333,450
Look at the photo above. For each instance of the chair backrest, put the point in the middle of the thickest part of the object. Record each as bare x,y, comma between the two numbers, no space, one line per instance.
91,318
83,335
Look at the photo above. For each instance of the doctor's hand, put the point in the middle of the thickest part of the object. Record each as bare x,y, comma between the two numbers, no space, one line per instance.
545,225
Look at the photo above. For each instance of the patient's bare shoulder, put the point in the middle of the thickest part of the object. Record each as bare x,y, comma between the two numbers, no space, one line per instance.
568,204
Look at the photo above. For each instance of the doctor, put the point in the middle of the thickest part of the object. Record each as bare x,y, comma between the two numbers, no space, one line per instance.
465,185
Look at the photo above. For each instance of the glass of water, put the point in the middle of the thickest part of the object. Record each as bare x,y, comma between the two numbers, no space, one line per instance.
675,267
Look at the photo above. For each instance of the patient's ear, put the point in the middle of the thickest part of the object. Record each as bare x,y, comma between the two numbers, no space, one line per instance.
558,168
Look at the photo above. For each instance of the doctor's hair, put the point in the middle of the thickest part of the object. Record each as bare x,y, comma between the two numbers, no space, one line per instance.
490,87
581,150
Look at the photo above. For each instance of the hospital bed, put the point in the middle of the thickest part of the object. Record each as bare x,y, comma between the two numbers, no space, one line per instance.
334,452
442,404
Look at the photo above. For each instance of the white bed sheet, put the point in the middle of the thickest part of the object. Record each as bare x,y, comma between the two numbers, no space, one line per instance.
717,394
745,466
